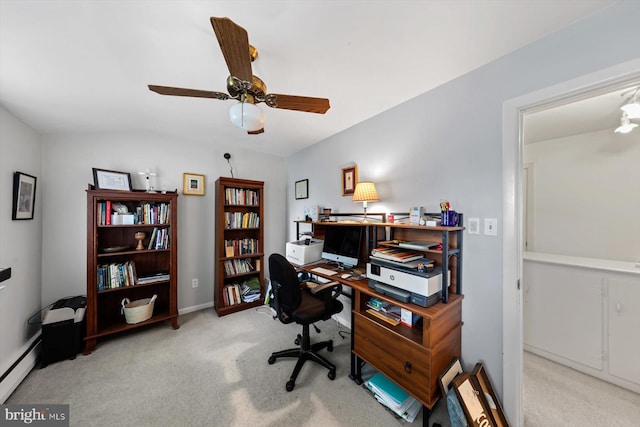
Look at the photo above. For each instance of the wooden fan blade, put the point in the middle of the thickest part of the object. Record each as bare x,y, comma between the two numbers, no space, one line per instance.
178,91
256,132
298,103
234,43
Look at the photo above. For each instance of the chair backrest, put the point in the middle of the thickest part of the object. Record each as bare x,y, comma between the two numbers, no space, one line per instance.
285,285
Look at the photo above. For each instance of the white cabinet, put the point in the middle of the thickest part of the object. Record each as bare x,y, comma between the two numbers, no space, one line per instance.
624,329
563,313
583,315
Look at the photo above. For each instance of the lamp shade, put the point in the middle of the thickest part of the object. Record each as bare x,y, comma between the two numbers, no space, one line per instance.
246,116
365,192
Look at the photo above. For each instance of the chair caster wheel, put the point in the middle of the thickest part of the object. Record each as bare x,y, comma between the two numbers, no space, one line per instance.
330,346
290,385
297,341
271,360
332,374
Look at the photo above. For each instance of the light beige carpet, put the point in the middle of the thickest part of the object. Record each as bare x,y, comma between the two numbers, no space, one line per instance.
557,396
211,372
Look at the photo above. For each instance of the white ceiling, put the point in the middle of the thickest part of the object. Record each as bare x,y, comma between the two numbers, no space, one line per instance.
84,66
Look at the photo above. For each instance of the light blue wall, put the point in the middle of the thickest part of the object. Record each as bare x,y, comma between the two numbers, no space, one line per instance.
68,164
447,144
20,244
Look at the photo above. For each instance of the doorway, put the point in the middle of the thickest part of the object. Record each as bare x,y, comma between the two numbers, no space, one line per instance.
513,113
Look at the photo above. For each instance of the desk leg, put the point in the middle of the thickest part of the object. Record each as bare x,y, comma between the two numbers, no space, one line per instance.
426,412
356,363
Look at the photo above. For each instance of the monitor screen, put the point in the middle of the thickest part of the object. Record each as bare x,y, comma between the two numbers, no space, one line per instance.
342,244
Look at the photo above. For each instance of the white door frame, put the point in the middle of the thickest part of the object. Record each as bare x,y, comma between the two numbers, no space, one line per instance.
512,112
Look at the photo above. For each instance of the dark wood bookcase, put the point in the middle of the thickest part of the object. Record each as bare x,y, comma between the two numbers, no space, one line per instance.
115,244
239,211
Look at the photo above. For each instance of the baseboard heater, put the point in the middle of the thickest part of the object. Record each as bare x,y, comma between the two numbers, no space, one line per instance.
36,341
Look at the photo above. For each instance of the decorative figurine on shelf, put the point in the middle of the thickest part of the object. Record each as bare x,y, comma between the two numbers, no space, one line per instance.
140,235
148,174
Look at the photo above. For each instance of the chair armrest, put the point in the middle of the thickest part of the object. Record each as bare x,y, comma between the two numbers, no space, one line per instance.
335,287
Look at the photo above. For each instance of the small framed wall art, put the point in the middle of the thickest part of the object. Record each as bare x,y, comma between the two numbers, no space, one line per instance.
193,184
302,189
24,195
104,179
349,180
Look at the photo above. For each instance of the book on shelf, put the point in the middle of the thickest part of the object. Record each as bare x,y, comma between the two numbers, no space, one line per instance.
241,196
395,254
383,316
157,277
418,245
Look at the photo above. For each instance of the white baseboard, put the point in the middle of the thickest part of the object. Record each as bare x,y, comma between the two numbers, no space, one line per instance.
195,308
21,370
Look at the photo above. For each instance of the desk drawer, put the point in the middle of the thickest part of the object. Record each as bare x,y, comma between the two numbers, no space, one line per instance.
390,352
401,360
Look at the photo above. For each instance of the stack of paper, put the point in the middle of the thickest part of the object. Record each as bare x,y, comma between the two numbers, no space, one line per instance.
393,397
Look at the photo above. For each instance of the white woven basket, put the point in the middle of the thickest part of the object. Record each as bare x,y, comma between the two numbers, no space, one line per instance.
138,310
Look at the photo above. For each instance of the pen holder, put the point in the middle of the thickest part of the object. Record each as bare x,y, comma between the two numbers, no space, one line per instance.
449,218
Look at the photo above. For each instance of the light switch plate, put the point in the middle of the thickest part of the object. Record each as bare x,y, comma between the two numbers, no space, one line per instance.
491,226
474,226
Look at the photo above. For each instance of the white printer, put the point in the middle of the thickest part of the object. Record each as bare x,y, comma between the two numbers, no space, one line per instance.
405,283
306,251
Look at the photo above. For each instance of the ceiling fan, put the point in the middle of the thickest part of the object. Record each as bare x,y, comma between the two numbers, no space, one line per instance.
242,85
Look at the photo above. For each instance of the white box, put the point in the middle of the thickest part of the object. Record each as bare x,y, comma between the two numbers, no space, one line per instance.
300,253
122,219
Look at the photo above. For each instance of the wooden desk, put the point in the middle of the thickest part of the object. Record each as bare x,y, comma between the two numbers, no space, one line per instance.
411,357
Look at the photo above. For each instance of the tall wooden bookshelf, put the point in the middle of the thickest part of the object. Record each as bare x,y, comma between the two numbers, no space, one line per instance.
239,210
112,248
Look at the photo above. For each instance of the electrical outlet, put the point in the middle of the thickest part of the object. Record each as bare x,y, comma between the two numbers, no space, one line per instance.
194,283
491,226
474,226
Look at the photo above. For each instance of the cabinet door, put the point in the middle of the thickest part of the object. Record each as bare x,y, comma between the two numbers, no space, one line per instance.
624,329
563,312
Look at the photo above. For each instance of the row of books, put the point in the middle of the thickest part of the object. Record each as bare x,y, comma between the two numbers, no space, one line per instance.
159,239
241,220
239,266
120,275
393,397
236,293
384,311
146,213
235,247
241,196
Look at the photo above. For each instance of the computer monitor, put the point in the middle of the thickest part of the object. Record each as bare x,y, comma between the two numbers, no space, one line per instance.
342,244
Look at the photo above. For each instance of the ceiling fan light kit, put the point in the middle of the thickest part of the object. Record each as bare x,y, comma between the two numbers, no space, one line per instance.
625,125
242,85
246,116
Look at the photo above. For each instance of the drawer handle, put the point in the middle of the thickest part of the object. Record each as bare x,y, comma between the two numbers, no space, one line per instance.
407,367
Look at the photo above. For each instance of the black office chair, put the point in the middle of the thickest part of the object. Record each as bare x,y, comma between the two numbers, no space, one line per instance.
294,304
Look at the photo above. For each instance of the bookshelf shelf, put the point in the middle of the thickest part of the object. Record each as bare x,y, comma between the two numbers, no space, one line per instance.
111,276
244,216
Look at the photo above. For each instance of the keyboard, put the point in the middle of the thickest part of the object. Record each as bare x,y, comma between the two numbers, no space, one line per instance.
324,271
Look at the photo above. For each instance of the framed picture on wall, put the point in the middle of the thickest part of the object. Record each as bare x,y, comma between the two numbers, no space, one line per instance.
302,189
193,184
349,180
24,196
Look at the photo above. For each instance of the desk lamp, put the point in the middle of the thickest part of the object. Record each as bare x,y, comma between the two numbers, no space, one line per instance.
365,192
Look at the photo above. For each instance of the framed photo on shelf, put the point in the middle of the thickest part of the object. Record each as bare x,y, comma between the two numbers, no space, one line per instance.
193,184
349,180
104,179
24,195
302,189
